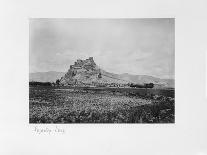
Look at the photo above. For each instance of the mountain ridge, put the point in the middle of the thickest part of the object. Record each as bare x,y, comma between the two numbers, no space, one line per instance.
87,72
49,76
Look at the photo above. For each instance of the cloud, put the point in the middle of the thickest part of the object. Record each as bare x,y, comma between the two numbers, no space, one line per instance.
136,46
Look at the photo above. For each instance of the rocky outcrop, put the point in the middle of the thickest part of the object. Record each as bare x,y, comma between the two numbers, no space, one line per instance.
82,72
87,73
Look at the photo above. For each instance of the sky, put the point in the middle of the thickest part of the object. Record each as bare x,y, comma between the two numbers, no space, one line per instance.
139,46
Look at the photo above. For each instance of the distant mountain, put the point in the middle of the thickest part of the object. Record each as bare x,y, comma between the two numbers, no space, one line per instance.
87,72
50,76
170,82
141,79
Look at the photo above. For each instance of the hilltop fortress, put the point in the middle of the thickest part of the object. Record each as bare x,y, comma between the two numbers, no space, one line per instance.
86,72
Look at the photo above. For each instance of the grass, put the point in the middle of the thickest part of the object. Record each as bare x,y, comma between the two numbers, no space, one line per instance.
49,105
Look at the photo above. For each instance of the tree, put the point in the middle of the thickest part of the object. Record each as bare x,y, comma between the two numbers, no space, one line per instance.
149,85
99,75
58,82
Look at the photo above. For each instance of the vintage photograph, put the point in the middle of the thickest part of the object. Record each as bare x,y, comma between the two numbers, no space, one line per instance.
88,70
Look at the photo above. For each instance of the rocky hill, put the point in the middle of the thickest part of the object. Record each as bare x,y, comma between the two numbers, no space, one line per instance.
86,72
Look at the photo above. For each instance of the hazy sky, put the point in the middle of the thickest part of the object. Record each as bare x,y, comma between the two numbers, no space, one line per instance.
135,46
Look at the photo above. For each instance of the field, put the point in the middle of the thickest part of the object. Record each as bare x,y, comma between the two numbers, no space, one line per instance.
100,105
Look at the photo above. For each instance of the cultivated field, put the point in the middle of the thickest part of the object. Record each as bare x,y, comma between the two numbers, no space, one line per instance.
100,105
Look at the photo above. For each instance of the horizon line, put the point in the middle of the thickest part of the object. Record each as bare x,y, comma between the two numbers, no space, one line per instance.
106,71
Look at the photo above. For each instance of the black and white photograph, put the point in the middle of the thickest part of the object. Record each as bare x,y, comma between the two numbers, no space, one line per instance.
103,77
99,70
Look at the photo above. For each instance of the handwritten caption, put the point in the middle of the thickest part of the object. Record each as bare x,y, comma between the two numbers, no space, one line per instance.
49,130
